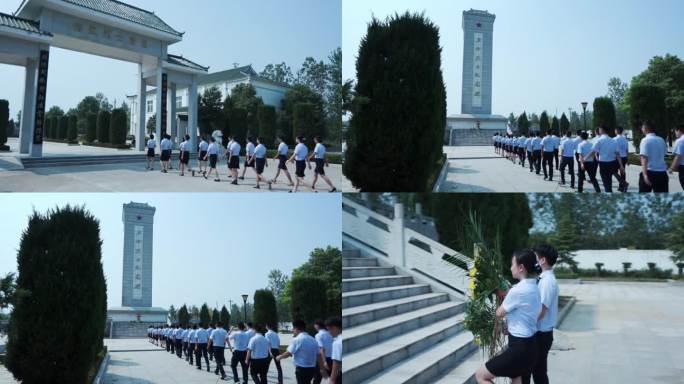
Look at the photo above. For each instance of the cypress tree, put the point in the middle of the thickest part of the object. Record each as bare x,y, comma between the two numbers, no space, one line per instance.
308,299
117,127
64,310
564,124
204,316
544,123
91,127
266,114
72,130
399,108
225,316
307,122
215,316
604,114
555,126
103,119
63,127
265,311
183,316
523,124
647,102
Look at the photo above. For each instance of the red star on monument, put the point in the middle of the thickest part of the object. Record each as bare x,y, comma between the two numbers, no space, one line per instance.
479,25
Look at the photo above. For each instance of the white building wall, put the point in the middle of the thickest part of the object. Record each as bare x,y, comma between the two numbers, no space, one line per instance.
612,259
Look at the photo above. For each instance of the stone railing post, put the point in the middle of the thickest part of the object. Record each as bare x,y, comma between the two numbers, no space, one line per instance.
398,232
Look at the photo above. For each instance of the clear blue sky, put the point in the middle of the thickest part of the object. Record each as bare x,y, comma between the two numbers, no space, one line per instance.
200,240
548,55
218,34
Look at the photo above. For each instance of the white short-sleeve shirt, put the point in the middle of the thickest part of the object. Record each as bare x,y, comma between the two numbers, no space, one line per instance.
235,148
304,349
218,337
325,340
301,151
202,336
548,144
622,145
151,144
250,148
273,339
203,145
240,340
337,349
282,148
213,149
523,305
260,151
653,147
259,346
606,148
568,147
548,289
319,151
678,149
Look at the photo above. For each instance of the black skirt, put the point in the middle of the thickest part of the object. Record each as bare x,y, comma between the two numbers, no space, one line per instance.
282,162
202,155
516,360
234,162
150,152
260,165
212,161
301,166
320,167
250,163
185,157
165,155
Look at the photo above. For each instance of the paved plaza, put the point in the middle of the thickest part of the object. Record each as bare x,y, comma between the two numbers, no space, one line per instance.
129,177
136,361
479,169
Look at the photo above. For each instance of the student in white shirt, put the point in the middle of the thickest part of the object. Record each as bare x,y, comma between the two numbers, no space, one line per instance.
325,341
250,159
227,153
240,342
678,155
151,145
212,154
260,162
608,158
281,156
179,341
165,156
521,307
556,146
234,159
321,160
537,152
652,150
192,344
587,164
202,337
567,147
548,290
548,144
202,157
217,342
304,349
334,325
185,156
258,353
274,342
623,149
299,157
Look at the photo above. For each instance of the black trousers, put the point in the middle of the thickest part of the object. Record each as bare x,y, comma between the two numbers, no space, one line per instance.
620,178
304,375
191,352
168,344
536,156
568,162
521,153
590,169
201,351
544,341
547,162
608,169
579,163
220,360
660,182
239,357
275,352
185,350
681,175
318,377
555,156
179,347
529,160
258,368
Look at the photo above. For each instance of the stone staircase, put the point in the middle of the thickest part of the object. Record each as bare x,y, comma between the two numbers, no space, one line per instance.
64,161
471,137
123,330
398,330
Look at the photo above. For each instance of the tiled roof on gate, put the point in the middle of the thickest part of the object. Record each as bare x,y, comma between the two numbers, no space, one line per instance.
180,60
127,12
22,24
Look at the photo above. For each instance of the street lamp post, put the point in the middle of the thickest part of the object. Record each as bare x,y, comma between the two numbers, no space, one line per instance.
584,114
244,305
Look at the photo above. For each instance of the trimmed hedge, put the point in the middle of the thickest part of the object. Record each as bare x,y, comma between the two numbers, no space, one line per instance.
308,300
103,119
72,130
266,114
306,122
117,127
265,310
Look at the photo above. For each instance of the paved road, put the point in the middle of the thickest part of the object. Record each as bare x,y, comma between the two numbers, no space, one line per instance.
139,362
479,169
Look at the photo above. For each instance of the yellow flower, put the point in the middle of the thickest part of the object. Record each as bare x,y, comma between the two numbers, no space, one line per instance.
473,272
477,340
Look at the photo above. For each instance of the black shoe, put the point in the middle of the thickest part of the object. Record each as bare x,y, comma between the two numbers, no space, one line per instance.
241,177
333,190
234,182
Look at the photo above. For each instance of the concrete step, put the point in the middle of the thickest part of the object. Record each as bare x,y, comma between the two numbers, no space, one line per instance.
430,364
377,311
62,161
353,272
375,332
359,262
464,372
355,284
362,364
351,253
369,296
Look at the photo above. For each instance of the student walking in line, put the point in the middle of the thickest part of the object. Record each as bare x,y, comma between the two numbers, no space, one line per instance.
678,155
556,146
587,164
151,145
238,341
325,344
226,153
212,154
321,161
548,290
608,158
234,160
304,349
334,325
202,158
257,359
521,307
652,150
202,337
192,343
281,156
260,162
567,148
623,150
185,156
547,157
522,149
537,152
217,342
165,145
578,140
299,157
274,342
250,159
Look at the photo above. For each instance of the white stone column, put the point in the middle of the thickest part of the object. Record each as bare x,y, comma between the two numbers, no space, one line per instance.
192,114
28,112
142,109
171,127
399,249
159,102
